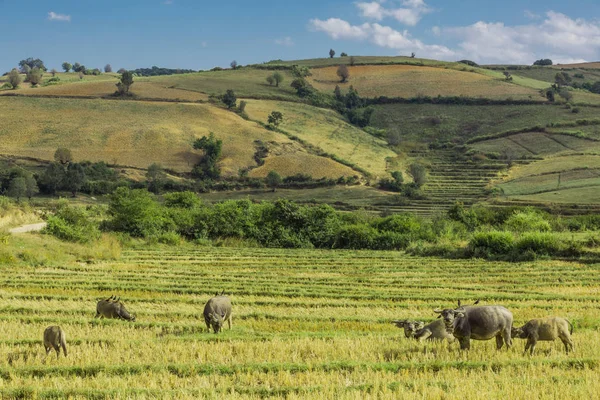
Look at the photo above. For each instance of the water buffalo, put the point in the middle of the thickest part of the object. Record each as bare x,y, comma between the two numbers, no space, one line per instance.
478,323
54,337
113,308
216,311
548,329
418,330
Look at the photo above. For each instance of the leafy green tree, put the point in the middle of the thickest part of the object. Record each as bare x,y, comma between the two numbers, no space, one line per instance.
17,188
31,185
74,178
207,168
273,180
275,118
543,62
343,54
107,68
35,76
14,78
52,178
135,212
270,80
25,69
343,73
156,177
78,67
33,63
234,64
63,155
353,100
66,66
331,53
337,92
278,78
418,173
125,83
550,95
229,99
562,79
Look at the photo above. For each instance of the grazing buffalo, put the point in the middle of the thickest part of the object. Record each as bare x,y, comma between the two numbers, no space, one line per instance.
547,329
54,337
418,330
113,308
216,311
478,323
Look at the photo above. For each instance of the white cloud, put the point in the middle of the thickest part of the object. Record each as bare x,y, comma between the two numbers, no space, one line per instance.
52,16
285,41
383,36
557,34
410,14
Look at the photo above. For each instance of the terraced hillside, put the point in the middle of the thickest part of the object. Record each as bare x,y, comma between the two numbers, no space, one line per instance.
306,324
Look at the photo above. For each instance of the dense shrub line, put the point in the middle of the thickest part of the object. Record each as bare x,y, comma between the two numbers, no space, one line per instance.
507,234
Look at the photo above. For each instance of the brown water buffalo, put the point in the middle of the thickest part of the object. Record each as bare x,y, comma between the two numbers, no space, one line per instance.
547,329
478,323
113,308
54,337
435,330
216,311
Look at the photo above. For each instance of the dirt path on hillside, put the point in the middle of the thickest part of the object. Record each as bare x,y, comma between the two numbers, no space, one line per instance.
28,228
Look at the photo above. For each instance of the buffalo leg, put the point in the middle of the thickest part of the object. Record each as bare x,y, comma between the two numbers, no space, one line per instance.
568,344
507,338
424,335
531,342
465,343
229,321
499,341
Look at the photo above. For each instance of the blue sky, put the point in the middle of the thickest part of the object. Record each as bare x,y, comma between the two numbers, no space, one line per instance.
200,34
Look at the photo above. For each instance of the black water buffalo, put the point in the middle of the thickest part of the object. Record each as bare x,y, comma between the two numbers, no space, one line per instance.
478,323
113,308
216,311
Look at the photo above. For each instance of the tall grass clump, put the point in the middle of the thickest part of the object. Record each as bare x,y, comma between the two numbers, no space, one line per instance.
492,244
527,221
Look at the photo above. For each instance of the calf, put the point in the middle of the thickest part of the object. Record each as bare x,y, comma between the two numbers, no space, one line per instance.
54,337
547,329
418,330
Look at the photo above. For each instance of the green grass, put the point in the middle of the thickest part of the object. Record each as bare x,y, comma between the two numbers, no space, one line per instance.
246,82
414,122
307,324
366,60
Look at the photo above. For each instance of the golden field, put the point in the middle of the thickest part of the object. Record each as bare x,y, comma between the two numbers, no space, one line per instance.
127,133
412,81
302,163
326,130
307,324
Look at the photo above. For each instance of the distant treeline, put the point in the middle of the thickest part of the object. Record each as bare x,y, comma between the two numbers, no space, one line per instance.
156,71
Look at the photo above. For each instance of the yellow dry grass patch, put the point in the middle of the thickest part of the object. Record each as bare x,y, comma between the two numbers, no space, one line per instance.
412,81
143,90
292,164
127,133
328,131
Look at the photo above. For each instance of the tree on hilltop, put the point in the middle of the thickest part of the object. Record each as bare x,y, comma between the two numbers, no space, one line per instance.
229,99
107,68
543,62
234,64
14,78
35,76
33,63
343,73
331,53
125,83
278,78
66,66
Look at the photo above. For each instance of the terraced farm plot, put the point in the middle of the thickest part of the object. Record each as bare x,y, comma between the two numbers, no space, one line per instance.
140,89
246,82
556,164
328,131
307,324
536,143
128,133
412,81
427,123
553,182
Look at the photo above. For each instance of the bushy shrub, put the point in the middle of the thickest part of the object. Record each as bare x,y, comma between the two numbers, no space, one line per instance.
545,244
356,237
527,221
136,212
491,244
72,224
182,200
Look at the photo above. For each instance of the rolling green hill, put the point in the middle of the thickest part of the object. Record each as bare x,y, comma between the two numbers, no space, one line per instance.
479,145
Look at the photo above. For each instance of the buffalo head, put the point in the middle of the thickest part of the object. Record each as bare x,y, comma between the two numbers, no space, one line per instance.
410,327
